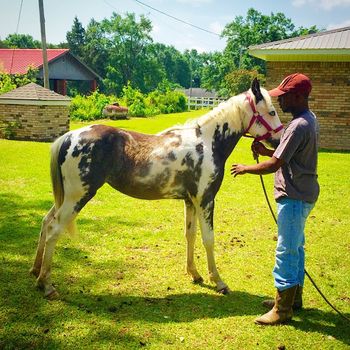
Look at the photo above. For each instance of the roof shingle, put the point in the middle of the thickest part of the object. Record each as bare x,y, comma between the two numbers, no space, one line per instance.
33,92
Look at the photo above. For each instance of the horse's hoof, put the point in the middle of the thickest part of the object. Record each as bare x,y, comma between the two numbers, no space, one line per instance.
52,295
198,280
224,291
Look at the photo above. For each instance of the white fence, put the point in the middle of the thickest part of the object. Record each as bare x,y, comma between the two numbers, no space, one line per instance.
203,102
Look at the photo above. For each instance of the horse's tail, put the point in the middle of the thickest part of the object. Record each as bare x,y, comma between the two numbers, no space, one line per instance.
57,181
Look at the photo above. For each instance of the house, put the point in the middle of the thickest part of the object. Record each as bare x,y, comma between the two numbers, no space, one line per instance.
62,64
325,58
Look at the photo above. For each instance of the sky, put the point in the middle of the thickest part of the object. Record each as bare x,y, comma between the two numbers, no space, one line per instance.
210,15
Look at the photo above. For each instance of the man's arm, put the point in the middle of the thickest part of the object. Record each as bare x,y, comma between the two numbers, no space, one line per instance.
269,166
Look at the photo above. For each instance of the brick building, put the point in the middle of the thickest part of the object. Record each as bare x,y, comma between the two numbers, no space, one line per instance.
325,58
32,112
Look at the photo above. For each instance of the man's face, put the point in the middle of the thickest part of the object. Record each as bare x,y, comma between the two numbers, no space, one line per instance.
287,102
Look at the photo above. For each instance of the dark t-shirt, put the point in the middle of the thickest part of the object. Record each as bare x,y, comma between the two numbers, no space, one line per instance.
297,177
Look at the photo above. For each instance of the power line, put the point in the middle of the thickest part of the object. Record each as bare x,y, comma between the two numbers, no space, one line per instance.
177,19
19,16
13,50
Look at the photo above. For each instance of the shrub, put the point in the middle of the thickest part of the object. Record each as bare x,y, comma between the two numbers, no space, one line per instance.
9,82
168,102
139,105
135,101
8,129
89,107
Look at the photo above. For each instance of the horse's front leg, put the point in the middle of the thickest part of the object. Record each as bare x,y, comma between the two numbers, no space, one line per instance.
205,216
190,234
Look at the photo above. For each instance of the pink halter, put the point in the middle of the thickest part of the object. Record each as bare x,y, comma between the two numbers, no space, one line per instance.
260,118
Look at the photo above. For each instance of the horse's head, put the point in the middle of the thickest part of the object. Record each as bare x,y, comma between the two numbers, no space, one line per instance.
261,119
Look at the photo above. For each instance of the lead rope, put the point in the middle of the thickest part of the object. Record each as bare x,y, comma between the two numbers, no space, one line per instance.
306,273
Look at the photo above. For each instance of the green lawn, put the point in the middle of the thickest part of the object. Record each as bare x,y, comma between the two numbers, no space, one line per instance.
122,279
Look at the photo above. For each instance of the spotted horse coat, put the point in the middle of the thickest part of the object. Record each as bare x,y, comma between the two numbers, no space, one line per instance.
184,162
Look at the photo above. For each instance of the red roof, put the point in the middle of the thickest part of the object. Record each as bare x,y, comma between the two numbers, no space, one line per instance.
19,60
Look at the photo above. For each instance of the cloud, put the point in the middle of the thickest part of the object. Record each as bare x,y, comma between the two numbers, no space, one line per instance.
299,3
155,29
216,27
325,4
339,25
194,2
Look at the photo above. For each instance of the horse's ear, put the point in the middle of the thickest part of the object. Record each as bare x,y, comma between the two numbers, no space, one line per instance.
256,90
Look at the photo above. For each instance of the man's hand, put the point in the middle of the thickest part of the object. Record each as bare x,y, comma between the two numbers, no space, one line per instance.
259,149
238,169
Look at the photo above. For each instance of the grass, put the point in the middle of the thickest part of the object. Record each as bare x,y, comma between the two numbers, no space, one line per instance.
122,279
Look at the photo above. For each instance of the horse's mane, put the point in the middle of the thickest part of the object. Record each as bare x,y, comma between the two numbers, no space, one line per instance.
231,106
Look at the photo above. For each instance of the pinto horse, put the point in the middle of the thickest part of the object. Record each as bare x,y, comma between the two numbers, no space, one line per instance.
184,162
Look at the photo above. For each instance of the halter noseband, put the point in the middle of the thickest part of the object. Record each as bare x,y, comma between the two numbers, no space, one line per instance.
260,118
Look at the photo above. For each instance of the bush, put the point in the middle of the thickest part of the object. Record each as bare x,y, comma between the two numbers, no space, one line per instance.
135,101
89,107
163,100
9,82
139,105
168,102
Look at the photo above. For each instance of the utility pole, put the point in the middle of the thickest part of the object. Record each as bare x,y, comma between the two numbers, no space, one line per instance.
43,45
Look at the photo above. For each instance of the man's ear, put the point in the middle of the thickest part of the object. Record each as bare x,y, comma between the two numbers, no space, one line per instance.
256,90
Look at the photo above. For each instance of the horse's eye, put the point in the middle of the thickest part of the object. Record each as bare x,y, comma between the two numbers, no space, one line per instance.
272,113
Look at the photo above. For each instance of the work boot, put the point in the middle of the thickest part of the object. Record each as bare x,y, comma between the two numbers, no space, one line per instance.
282,310
298,300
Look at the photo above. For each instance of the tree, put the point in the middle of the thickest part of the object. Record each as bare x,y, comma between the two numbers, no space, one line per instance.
196,62
240,80
173,63
76,38
116,48
127,40
95,53
256,29
216,67
241,33
21,41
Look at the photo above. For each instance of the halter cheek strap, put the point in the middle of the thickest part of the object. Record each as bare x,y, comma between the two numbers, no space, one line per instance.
260,118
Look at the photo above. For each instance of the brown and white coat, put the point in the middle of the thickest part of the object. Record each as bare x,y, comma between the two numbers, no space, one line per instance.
185,162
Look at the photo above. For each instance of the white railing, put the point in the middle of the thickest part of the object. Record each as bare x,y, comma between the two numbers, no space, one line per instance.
203,102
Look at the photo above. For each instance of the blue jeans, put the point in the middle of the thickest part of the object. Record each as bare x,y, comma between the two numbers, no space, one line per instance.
290,255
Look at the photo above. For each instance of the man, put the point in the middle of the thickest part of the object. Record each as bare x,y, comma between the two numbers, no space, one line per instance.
296,190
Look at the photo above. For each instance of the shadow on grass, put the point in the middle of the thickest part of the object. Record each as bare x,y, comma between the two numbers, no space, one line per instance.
325,322
20,222
27,321
190,307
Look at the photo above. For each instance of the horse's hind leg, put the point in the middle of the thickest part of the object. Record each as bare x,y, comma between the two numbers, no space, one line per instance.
35,270
190,234
62,218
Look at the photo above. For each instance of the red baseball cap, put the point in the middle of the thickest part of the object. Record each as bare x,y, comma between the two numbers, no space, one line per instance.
296,82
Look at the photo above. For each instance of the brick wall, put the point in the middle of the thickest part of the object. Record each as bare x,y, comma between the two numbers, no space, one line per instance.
329,99
35,122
